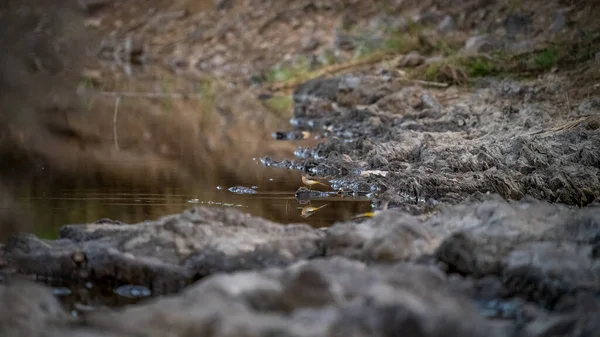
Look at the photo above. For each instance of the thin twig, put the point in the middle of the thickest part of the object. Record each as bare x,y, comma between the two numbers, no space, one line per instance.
118,100
428,83
146,94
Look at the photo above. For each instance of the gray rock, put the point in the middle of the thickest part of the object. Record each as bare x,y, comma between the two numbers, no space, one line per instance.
428,17
523,46
559,21
92,5
349,83
447,25
30,310
387,22
334,297
166,254
483,43
309,43
343,40
430,102
390,236
411,59
542,251
518,24
242,190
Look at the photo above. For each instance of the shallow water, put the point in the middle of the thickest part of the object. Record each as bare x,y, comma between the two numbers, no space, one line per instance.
50,206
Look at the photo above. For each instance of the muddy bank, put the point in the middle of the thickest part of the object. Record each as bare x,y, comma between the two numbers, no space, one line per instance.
404,145
519,268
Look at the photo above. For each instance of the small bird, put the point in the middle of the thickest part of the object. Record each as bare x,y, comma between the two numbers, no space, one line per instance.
310,210
311,182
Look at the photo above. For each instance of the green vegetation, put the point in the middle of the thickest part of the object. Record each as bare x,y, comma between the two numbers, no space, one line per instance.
460,69
282,72
547,58
454,68
280,105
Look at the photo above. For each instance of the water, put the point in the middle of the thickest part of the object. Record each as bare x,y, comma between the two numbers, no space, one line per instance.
51,206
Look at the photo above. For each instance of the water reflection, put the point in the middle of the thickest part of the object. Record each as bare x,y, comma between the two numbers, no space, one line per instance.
50,206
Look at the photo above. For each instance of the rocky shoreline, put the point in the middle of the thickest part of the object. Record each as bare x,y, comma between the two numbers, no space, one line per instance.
523,268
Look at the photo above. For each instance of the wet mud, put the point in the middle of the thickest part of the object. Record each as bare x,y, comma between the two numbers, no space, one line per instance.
401,146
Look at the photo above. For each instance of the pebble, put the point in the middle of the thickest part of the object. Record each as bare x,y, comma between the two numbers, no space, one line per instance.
242,190
447,25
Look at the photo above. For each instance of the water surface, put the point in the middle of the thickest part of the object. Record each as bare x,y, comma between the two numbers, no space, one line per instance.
50,206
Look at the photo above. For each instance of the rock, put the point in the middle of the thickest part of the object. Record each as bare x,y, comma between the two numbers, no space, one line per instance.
559,21
518,24
523,46
93,5
387,22
542,251
333,297
545,272
429,102
242,190
343,40
34,311
309,43
411,59
166,254
317,89
427,18
483,44
447,25
223,4
390,236
349,83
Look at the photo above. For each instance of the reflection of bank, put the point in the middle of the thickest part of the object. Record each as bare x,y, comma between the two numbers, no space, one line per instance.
12,218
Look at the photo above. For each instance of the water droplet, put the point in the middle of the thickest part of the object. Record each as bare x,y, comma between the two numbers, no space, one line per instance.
219,187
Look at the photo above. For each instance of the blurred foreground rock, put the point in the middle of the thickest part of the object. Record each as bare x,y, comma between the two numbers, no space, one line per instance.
513,268
166,254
